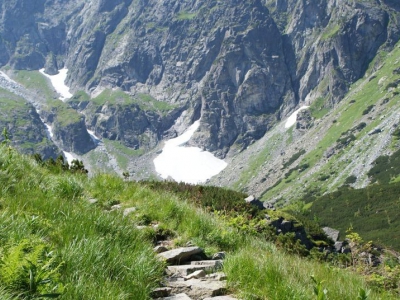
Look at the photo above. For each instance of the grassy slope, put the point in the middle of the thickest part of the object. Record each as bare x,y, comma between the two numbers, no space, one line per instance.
326,175
103,255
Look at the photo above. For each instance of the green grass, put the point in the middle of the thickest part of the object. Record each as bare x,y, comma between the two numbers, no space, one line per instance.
121,152
34,80
318,109
184,15
330,32
144,101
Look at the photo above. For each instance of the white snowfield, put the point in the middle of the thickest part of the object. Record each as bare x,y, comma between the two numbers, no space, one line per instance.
58,82
187,164
292,119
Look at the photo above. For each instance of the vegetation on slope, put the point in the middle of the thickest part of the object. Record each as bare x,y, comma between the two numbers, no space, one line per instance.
56,243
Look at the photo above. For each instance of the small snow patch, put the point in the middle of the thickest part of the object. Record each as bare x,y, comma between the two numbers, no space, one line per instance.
58,82
292,119
187,164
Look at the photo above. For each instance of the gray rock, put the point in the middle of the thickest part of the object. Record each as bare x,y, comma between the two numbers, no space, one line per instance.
221,298
254,201
332,233
160,249
338,246
219,276
161,292
199,289
215,263
116,207
196,275
93,201
375,131
180,254
129,210
185,270
181,296
219,256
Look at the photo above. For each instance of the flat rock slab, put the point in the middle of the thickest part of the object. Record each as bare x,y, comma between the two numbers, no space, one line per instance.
178,297
199,289
180,254
221,298
215,263
185,270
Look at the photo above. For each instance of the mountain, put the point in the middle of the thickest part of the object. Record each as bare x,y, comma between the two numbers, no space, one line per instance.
141,72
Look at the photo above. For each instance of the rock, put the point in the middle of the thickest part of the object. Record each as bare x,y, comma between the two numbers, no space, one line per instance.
219,276
375,131
160,249
329,152
178,297
180,254
129,210
221,298
199,289
254,201
93,201
304,120
161,292
218,256
338,246
286,226
185,270
197,274
213,263
116,207
331,233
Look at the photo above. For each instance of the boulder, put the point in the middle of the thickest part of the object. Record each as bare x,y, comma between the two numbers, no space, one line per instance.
254,201
129,210
180,254
331,233
338,246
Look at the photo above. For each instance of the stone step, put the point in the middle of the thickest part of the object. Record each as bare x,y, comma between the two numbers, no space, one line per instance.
178,297
199,289
185,270
180,254
217,263
221,298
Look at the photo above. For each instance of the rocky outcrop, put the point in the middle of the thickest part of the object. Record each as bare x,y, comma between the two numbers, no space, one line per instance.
73,137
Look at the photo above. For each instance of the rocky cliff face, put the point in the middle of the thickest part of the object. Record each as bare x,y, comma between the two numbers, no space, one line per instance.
239,65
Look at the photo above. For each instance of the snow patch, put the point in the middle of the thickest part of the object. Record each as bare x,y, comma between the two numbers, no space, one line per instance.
187,164
292,119
69,157
58,82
